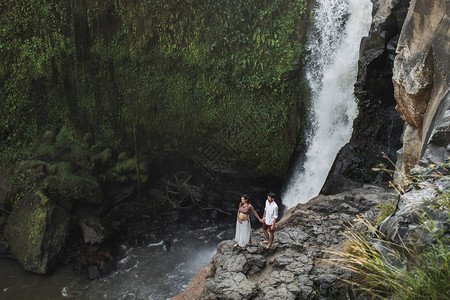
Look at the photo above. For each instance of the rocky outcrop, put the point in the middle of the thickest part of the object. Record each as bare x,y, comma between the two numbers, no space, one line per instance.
421,213
50,196
195,287
422,85
377,128
294,267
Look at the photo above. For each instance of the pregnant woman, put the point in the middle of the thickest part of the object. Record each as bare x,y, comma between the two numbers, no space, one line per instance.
243,229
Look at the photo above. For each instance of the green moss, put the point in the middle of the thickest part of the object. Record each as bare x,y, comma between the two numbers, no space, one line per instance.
181,73
49,137
66,135
122,156
25,177
37,220
101,161
385,209
126,167
46,152
63,168
67,188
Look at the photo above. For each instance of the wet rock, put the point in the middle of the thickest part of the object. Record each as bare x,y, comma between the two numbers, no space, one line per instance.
36,232
93,272
92,229
100,265
195,287
4,247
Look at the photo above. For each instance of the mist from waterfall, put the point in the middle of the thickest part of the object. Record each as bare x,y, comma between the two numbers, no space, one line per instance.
333,47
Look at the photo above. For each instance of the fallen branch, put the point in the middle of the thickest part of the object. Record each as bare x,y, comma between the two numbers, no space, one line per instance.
6,211
218,209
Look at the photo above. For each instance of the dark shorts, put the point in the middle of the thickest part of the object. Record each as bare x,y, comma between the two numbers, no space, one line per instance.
267,227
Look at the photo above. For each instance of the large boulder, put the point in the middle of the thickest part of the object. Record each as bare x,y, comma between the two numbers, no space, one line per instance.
70,188
418,212
36,232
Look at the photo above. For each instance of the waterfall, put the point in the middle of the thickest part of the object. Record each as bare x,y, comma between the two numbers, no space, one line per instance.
333,47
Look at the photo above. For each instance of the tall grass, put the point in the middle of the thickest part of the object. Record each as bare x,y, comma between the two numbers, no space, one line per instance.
385,269
403,272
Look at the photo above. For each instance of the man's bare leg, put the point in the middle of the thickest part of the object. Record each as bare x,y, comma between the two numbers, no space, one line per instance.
267,237
270,240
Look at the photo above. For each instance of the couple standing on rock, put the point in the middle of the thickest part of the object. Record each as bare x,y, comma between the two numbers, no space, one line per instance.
243,228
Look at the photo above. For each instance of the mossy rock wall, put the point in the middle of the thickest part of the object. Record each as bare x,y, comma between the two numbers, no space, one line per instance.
165,78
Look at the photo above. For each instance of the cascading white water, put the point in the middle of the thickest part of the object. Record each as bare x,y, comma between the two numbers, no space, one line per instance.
333,45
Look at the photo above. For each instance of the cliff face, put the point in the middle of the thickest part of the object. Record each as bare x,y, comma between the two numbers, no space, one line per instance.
422,85
209,82
378,127
402,69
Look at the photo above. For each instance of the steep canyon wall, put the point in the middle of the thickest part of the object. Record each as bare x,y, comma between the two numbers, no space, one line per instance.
403,69
377,128
422,85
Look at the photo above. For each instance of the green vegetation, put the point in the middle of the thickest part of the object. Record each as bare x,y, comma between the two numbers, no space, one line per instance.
36,226
413,269
183,74
425,274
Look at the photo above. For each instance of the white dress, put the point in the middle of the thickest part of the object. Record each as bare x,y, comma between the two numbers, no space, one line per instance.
243,232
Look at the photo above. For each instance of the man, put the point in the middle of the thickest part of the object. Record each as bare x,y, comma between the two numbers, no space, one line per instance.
269,218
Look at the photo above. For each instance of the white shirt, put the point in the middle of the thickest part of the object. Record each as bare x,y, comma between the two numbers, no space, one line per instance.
271,210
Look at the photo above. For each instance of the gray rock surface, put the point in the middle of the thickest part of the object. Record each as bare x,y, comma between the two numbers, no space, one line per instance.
92,229
421,83
294,266
408,225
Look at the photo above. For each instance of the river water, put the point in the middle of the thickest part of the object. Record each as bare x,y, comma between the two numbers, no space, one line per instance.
158,270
